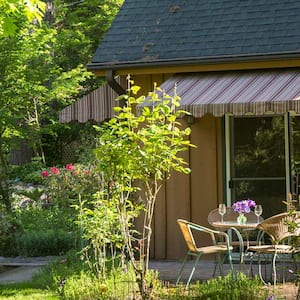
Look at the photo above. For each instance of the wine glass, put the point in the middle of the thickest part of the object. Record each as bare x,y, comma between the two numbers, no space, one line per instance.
222,211
258,211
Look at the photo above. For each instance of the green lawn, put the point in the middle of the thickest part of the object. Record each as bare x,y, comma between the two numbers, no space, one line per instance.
25,291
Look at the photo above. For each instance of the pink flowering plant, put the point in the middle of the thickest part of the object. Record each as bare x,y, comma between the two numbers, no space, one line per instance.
243,206
64,185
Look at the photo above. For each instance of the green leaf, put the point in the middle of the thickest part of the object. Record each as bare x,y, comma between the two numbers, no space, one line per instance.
135,89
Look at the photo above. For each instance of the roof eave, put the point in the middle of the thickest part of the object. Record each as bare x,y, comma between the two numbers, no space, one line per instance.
191,61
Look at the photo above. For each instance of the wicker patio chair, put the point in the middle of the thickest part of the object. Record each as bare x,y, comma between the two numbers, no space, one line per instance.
187,229
277,228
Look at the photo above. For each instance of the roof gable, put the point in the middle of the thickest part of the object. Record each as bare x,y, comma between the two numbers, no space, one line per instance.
160,31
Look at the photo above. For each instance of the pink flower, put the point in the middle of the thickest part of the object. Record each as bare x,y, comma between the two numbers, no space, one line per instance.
45,173
70,167
86,172
55,170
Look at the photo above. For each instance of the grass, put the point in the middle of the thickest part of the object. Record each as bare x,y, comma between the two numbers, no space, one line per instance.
26,291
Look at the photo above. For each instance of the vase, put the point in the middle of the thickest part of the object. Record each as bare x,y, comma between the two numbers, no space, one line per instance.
241,219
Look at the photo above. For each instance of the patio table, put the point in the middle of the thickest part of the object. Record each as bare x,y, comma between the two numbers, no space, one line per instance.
238,229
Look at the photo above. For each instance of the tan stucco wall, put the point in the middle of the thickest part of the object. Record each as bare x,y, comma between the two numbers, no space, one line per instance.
187,196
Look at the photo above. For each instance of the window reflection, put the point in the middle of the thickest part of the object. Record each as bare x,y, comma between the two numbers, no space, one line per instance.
258,162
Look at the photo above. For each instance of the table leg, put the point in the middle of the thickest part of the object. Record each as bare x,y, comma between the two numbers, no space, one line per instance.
241,242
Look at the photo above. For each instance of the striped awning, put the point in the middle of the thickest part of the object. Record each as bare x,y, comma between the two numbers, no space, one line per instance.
96,106
256,92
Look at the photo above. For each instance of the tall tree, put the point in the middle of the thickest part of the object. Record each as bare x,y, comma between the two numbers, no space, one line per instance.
42,71
14,12
30,84
81,26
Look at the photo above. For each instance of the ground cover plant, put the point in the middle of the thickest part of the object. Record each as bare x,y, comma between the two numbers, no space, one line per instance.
231,288
71,279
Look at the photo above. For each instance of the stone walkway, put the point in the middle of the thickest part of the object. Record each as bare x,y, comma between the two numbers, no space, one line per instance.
24,268
18,274
21,269
168,270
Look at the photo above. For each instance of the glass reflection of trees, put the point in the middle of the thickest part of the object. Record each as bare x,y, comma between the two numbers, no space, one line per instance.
295,150
258,153
259,147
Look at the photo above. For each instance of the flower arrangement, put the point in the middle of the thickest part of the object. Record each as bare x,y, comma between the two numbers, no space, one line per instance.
243,207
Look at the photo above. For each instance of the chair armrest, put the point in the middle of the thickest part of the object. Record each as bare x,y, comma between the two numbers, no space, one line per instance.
226,236
211,232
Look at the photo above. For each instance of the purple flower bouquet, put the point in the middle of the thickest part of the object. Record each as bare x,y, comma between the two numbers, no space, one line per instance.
243,207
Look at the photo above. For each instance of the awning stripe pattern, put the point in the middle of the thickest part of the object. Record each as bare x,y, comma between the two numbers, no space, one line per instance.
96,106
256,92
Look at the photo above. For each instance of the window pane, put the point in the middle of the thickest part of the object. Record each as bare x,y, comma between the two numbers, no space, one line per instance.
269,193
258,171
259,147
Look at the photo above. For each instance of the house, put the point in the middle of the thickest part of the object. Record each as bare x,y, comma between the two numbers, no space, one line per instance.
236,64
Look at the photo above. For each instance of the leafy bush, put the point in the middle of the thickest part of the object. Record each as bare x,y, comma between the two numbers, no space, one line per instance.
43,243
65,186
29,172
37,218
43,231
25,232
7,229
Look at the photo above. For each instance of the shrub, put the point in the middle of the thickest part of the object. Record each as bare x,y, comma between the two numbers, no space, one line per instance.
7,228
37,218
43,243
64,186
29,172
36,231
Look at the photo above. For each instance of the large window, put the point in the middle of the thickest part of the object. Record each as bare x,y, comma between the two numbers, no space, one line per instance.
258,162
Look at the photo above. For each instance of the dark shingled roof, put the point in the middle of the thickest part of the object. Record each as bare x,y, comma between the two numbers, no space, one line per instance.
160,31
